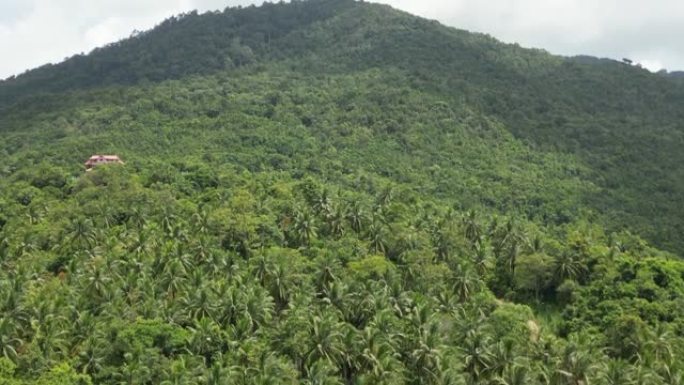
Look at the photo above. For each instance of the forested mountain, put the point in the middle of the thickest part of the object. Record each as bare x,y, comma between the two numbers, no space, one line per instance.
677,76
337,192
623,122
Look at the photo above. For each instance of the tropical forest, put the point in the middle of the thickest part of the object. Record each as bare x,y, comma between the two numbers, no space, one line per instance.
336,192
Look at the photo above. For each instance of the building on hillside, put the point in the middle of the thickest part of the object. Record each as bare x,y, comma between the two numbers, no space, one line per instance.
97,160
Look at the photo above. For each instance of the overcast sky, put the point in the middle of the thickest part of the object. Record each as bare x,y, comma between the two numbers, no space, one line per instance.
35,32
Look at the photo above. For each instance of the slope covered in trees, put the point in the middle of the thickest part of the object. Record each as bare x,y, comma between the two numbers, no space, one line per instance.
622,123
332,192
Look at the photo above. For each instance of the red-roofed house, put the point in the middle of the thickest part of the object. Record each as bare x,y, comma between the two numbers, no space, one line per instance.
97,160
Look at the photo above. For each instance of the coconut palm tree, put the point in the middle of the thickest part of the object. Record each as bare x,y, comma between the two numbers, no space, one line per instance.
659,344
336,220
325,341
173,277
618,372
92,355
305,227
356,216
377,238
464,282
577,362
568,266
205,339
258,307
9,340
477,355
322,373
81,233
471,227
199,304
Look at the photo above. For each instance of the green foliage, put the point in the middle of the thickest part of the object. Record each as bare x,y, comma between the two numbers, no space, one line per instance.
372,266
335,192
62,374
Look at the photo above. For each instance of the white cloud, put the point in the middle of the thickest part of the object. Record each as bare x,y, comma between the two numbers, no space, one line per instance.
34,32
645,31
47,31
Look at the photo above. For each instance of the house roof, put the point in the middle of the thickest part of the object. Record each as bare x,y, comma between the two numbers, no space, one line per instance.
95,159
106,157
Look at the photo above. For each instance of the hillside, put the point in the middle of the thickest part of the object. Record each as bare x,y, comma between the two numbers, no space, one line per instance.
337,192
623,123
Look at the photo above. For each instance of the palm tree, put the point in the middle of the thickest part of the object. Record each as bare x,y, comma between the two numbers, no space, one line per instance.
26,246
178,373
349,361
516,374
376,236
173,277
502,357
508,240
14,312
443,241
472,228
105,212
464,283
83,325
378,357
426,356
199,304
568,266
200,223
168,220
269,369
340,296
447,300
220,375
325,341
305,229
671,375
477,355
34,213
137,218
133,371
141,242
356,216
81,233
97,283
327,268
258,306
335,221
205,339
49,337
92,355
618,372
4,246
262,269
323,204
202,249
322,373
658,344
577,363
386,196
481,260
9,341
280,284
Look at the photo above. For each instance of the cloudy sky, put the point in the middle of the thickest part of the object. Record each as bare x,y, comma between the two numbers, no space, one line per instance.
34,32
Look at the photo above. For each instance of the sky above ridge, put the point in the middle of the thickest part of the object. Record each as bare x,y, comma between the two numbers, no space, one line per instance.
36,32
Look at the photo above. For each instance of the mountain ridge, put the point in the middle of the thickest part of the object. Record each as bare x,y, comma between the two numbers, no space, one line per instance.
226,26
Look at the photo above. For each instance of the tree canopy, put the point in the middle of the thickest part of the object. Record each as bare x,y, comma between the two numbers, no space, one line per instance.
336,192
